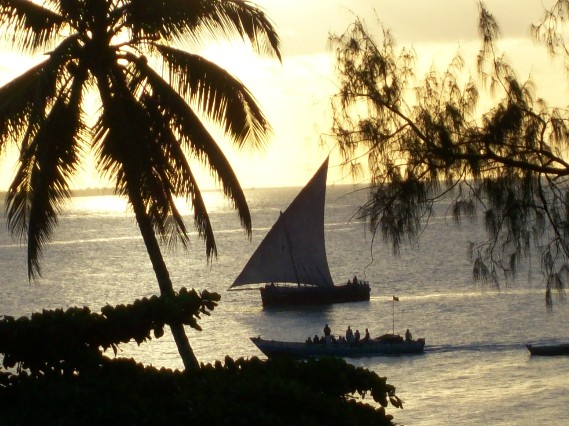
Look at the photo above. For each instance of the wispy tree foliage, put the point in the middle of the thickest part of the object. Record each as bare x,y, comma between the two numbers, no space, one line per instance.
136,57
428,138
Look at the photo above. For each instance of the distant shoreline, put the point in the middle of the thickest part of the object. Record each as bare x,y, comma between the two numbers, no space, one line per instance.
87,192
92,192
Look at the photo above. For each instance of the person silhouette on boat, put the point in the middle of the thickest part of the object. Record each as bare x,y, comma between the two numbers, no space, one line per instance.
367,336
349,336
327,334
408,336
357,336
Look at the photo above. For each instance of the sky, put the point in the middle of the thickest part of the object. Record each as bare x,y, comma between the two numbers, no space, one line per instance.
295,94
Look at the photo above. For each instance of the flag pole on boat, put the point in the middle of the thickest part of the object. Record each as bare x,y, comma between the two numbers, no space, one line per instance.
395,299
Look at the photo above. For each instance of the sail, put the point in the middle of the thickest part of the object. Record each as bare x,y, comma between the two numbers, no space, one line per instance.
294,250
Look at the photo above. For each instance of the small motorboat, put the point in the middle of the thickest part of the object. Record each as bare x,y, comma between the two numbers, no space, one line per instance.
387,345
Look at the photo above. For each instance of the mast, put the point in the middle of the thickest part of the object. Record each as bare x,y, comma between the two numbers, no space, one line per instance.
291,254
395,299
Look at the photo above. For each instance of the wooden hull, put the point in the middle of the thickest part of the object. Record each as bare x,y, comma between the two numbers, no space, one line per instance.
549,350
299,350
308,295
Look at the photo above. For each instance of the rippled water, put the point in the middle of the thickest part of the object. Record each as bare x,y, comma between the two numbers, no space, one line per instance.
476,369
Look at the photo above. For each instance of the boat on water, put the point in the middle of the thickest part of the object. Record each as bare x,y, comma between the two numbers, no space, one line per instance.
549,350
387,345
291,260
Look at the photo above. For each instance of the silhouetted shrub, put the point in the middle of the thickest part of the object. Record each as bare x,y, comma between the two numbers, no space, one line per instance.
55,373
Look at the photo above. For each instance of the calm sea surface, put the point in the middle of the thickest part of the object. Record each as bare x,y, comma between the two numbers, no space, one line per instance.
476,369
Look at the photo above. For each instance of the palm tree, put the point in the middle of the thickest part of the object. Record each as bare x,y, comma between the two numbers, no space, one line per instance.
153,94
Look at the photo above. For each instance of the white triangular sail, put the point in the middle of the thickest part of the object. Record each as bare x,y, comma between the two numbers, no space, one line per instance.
294,250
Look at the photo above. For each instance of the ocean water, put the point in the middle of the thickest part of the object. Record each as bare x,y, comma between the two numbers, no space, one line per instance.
475,371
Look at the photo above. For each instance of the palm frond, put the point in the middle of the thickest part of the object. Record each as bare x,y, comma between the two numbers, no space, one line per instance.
24,100
246,19
158,171
183,184
41,184
17,99
119,137
197,140
179,174
201,19
76,12
128,146
201,216
28,25
220,96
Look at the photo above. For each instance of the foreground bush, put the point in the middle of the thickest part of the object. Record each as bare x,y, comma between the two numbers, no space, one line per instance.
70,382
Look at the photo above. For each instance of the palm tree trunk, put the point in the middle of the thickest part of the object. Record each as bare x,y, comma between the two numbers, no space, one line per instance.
150,241
164,282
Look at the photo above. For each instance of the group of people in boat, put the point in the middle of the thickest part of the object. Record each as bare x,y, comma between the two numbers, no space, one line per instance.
351,337
357,281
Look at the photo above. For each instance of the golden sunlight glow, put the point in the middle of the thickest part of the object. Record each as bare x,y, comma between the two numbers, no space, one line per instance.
98,204
95,202
295,94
